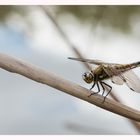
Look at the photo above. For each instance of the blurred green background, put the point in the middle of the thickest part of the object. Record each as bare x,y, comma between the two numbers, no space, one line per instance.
116,17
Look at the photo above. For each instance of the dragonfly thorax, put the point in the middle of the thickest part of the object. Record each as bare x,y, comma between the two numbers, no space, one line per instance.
88,77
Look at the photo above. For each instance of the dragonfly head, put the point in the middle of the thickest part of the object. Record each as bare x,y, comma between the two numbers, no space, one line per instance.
88,77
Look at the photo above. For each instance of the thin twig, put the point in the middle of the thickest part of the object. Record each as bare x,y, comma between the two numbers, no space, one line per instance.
64,36
37,74
78,54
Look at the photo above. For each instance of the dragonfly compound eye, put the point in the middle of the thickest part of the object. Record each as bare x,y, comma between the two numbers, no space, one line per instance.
87,77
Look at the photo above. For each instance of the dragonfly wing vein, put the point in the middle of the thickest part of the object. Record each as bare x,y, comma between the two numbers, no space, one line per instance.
132,80
114,75
117,80
91,61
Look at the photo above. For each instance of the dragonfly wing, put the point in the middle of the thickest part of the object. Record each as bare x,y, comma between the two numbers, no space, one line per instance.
114,75
132,80
91,61
117,80
119,77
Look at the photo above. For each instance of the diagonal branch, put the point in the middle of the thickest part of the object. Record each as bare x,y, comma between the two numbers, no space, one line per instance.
37,74
78,54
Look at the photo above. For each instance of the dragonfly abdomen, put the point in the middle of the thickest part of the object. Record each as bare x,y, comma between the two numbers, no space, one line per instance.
127,67
132,65
136,64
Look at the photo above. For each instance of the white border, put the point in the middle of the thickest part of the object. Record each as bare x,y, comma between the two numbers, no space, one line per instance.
69,137
69,2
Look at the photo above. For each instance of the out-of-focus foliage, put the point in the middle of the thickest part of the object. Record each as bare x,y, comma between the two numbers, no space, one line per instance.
117,17
7,10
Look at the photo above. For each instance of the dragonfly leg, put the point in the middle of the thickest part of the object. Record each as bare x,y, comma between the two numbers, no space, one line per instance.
103,88
108,91
92,86
94,82
97,87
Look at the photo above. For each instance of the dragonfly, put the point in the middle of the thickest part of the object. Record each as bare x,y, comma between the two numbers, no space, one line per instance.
117,73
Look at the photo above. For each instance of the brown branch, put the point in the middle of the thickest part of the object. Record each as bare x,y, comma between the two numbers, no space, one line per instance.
37,74
78,54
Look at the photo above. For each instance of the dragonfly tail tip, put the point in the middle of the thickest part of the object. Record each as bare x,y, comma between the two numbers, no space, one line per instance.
70,58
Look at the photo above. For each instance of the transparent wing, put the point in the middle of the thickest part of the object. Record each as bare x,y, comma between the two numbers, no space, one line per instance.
96,62
119,77
132,80
117,80
114,75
